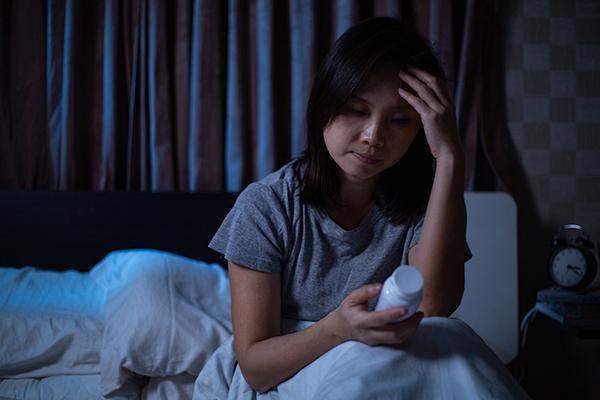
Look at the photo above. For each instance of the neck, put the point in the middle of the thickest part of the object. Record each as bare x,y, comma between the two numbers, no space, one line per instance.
354,193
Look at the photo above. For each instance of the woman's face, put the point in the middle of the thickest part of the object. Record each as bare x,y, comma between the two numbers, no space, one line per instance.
375,127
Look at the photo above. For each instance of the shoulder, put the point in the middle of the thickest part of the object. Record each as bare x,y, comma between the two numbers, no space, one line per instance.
277,192
282,185
285,178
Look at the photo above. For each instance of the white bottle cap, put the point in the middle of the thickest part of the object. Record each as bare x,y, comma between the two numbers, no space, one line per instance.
409,280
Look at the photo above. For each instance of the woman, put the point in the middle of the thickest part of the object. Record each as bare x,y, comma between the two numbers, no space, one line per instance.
380,184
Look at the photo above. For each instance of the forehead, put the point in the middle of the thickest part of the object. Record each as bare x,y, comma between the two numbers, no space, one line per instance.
382,83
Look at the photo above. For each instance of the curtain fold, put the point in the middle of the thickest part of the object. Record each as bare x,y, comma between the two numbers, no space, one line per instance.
58,63
195,95
206,107
265,146
237,124
106,169
468,85
302,68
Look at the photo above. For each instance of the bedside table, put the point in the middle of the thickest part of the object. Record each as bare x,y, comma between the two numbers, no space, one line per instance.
578,313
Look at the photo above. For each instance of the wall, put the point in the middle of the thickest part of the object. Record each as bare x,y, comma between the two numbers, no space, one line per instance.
552,83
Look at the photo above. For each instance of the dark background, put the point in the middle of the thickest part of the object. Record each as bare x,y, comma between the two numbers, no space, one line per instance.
552,82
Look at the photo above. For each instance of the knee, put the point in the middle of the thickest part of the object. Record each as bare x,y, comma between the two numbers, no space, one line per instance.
448,335
447,325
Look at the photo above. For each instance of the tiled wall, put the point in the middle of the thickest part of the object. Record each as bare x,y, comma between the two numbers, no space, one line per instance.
552,83
553,104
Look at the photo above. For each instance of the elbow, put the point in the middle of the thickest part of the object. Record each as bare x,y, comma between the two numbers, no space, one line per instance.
432,311
253,374
442,306
258,383
254,379
453,303
444,301
255,382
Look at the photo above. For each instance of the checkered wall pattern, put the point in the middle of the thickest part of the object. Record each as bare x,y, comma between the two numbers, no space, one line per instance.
553,102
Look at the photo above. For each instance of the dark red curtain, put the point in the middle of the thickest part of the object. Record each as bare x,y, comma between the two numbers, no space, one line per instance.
199,95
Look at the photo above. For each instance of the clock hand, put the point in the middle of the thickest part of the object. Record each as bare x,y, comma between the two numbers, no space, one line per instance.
575,268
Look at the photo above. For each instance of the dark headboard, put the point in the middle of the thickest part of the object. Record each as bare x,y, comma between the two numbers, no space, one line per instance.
74,230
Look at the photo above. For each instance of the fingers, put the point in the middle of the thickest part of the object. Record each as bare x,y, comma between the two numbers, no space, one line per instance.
374,327
438,85
416,102
424,92
396,333
379,318
364,293
428,88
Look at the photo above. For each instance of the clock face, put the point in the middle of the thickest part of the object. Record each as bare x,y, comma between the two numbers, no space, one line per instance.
568,267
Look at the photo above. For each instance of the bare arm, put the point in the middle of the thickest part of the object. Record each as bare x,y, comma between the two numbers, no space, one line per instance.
267,358
440,252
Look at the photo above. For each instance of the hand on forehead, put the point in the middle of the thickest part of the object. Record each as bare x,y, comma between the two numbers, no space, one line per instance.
380,87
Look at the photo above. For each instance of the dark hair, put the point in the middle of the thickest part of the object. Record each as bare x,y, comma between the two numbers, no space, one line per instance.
405,187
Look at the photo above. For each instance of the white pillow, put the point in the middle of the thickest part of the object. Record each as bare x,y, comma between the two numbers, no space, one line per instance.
164,316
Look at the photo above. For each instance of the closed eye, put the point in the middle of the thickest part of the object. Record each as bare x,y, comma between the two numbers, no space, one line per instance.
355,111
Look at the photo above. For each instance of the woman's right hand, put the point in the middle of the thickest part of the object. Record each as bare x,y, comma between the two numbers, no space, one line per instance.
353,321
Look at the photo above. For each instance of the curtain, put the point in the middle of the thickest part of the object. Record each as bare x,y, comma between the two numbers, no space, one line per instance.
195,95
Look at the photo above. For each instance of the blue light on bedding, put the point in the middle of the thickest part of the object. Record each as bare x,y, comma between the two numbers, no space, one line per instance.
50,323
66,292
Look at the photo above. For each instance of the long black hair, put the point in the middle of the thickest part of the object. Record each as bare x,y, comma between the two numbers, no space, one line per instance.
403,188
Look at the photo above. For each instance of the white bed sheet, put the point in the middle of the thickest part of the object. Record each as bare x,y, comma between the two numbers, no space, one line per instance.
50,323
140,325
76,387
88,387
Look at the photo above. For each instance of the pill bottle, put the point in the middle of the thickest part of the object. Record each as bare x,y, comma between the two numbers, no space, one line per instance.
404,288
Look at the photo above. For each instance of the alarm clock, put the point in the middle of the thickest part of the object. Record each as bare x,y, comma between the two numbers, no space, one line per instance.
573,263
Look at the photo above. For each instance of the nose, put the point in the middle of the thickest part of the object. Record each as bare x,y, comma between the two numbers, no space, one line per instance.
373,135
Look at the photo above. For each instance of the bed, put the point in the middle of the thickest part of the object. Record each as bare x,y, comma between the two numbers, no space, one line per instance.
74,323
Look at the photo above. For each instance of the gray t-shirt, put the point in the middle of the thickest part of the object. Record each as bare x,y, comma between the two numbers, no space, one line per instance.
269,229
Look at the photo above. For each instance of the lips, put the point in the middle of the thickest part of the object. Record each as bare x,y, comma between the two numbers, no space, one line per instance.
366,158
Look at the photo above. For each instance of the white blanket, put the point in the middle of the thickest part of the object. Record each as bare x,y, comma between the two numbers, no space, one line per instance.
444,360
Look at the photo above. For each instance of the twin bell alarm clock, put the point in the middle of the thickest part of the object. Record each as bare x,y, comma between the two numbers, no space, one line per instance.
573,263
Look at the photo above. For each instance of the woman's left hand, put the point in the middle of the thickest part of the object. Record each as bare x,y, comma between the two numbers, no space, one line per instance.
432,101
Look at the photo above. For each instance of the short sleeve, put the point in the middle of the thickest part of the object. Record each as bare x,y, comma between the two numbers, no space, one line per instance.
416,230
254,232
468,254
416,235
